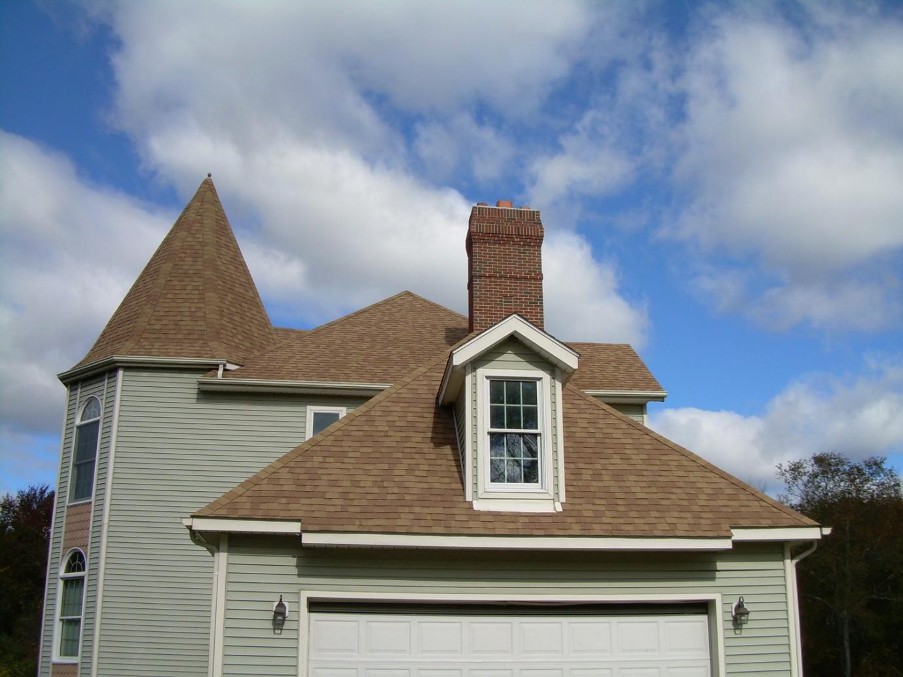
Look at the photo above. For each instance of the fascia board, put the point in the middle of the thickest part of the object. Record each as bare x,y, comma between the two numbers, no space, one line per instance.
238,385
551,349
744,535
629,396
242,526
139,361
550,543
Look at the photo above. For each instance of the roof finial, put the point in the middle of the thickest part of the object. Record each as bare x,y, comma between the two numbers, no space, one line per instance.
209,175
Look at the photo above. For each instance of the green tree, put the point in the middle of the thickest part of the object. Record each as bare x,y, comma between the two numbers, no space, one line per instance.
851,588
24,533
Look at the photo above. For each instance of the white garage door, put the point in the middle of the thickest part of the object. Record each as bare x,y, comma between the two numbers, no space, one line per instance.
479,645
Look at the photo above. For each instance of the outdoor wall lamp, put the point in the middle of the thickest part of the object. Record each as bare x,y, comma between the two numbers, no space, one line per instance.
280,613
739,612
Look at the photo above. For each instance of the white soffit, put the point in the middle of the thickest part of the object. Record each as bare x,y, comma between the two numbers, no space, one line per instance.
543,344
779,534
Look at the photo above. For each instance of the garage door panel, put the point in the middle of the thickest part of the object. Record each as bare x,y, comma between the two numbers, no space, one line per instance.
367,644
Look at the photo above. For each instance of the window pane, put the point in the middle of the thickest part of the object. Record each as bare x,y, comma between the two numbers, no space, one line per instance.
529,392
531,472
497,470
76,563
497,416
531,420
514,417
512,392
531,446
70,630
496,446
497,392
91,410
82,480
71,603
86,441
513,471
323,419
512,443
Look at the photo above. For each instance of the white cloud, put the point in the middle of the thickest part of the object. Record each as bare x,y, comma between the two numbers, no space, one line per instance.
793,156
70,252
858,417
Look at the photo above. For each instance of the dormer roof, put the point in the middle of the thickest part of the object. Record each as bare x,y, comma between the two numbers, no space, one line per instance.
195,297
514,326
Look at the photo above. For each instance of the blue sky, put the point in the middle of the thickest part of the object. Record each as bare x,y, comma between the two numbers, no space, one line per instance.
720,185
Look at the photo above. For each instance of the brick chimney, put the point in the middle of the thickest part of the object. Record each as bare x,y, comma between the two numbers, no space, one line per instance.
504,264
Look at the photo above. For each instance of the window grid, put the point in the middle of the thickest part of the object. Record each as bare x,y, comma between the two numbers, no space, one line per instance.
514,434
84,458
72,592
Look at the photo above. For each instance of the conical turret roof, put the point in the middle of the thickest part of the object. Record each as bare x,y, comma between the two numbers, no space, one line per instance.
194,299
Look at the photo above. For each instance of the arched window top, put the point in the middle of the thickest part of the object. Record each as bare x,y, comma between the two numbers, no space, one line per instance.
75,563
90,410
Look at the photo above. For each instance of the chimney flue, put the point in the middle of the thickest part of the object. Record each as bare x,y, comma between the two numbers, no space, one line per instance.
504,253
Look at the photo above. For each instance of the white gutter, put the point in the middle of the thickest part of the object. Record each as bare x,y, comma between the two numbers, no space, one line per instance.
628,396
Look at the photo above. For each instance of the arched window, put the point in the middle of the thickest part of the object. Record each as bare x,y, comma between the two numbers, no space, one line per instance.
72,593
87,432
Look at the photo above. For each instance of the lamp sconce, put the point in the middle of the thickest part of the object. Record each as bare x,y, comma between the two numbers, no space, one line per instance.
739,612
280,613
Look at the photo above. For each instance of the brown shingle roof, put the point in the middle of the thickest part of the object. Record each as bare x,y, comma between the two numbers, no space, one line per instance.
611,366
377,344
195,298
392,466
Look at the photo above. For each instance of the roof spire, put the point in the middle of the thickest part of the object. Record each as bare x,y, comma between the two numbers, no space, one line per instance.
194,298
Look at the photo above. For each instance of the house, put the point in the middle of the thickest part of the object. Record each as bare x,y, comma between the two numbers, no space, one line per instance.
402,491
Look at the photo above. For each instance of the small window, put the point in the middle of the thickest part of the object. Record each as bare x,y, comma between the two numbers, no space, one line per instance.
71,605
514,432
84,457
320,418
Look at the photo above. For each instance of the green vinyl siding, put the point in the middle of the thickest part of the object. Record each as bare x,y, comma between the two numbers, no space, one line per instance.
260,569
178,449
104,389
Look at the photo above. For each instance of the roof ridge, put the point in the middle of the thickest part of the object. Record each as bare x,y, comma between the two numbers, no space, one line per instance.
694,457
311,442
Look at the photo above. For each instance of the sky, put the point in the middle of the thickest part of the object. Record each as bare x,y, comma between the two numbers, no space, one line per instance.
721,186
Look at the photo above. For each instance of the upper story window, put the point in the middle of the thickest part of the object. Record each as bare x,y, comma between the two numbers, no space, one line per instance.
84,457
320,418
71,607
515,437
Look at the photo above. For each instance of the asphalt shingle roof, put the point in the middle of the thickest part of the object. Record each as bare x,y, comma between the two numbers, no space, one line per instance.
195,297
392,466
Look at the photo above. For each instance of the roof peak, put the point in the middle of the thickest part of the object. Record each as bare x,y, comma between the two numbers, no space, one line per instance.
194,298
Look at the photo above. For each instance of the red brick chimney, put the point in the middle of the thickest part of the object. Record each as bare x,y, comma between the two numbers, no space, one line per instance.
504,269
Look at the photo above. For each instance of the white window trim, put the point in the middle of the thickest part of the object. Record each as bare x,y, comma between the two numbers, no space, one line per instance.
61,577
316,409
79,422
713,601
519,497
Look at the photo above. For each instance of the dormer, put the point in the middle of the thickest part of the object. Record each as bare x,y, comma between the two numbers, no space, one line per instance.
505,387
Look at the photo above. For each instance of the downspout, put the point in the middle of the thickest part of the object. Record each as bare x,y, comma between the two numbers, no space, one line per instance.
793,604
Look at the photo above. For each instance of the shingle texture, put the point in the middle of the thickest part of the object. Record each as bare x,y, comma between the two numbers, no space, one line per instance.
195,298
377,344
392,466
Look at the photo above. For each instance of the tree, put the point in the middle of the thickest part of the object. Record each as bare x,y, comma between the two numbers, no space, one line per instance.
851,588
24,534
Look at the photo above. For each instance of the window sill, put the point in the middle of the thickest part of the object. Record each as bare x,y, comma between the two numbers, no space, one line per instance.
542,503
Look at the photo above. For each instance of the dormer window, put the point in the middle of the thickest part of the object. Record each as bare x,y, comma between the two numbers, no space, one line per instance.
515,438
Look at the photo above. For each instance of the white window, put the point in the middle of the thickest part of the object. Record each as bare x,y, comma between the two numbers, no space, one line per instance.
515,437
71,606
320,418
84,455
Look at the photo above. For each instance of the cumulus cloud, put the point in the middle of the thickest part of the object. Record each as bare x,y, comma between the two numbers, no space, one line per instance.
70,252
792,152
859,417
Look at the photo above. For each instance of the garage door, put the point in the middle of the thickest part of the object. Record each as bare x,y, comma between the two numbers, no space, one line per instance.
366,644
